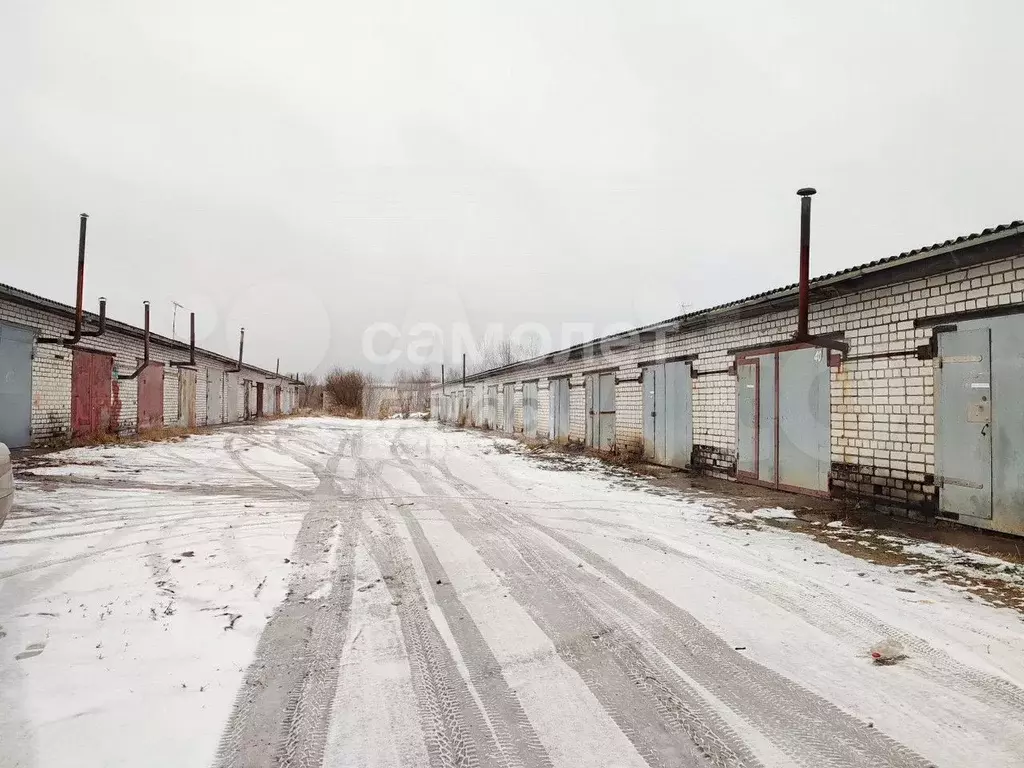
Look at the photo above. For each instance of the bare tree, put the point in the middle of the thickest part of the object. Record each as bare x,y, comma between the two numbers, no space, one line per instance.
311,394
345,387
497,354
411,391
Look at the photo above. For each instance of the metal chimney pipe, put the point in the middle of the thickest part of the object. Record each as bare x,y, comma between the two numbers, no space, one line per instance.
805,261
80,293
191,343
145,345
463,369
277,370
442,378
241,346
101,326
145,341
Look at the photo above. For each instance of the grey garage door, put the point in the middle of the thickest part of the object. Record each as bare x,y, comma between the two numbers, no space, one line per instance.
668,413
530,409
558,413
509,408
214,396
783,421
15,385
600,391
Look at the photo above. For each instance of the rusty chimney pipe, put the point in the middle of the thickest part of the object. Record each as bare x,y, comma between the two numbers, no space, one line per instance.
241,346
80,293
76,336
101,326
805,261
145,345
191,343
145,341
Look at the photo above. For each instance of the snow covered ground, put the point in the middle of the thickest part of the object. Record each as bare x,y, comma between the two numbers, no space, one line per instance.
349,593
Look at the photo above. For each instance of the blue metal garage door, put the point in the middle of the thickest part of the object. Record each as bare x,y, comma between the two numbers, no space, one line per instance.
15,385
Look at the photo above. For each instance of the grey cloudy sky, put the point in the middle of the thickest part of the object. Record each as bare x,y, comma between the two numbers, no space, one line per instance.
307,169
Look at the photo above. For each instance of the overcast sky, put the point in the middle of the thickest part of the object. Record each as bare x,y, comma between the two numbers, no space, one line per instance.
310,169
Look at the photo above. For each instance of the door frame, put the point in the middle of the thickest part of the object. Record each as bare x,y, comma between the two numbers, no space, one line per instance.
746,357
753,477
33,335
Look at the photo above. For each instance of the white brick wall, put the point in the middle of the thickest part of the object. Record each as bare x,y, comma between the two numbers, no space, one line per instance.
882,409
51,372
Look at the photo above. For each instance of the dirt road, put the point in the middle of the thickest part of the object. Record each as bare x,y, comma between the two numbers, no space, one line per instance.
382,594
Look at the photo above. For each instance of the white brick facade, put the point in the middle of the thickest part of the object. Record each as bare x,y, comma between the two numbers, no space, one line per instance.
52,369
882,409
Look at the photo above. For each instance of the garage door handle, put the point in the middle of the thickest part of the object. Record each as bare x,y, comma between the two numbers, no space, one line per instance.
984,429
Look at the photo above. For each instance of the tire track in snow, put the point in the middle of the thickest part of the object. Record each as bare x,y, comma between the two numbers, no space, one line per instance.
235,454
511,739
281,713
805,726
836,617
668,724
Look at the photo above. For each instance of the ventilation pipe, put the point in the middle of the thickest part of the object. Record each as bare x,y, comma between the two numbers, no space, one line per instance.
145,345
803,334
241,346
191,344
805,261
442,378
101,326
463,370
76,335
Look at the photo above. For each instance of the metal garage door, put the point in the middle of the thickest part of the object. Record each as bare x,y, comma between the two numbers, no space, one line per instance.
186,397
668,413
510,406
558,411
150,397
214,396
600,390
530,409
15,386
979,422
783,418
491,408
964,410
232,398
91,411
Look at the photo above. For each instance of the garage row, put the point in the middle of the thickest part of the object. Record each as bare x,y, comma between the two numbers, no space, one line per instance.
782,420
905,392
115,380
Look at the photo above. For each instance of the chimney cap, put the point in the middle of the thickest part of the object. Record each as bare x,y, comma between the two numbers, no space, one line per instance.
806,191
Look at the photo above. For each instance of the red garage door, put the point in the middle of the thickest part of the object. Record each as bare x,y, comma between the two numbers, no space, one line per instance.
151,397
91,409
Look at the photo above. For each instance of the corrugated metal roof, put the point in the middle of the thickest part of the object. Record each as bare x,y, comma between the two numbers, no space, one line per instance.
1010,229
24,297
888,260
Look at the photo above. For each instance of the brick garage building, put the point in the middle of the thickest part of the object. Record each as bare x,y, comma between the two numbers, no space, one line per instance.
48,389
918,408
